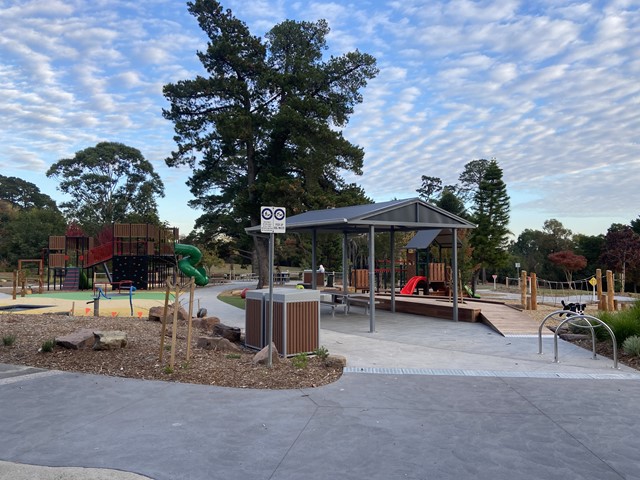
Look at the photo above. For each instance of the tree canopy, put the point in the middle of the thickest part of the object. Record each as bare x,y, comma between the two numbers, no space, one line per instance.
110,182
22,194
569,262
263,128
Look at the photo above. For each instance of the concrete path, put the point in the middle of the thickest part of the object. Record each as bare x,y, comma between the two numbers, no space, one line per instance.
457,401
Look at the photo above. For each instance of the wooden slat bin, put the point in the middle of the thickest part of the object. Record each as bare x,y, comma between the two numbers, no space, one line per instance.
296,320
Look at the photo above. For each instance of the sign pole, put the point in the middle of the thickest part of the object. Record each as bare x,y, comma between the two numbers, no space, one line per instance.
270,334
272,220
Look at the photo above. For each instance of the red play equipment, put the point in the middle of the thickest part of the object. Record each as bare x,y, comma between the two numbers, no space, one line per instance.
412,284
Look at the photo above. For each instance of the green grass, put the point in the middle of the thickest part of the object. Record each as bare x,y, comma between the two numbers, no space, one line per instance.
232,300
8,340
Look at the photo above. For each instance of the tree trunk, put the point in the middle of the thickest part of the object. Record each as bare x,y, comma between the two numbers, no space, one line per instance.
261,245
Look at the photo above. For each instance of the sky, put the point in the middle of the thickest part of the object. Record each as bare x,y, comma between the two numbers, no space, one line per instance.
549,88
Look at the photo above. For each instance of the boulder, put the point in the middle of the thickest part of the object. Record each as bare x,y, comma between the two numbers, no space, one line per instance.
262,357
155,314
109,339
230,333
205,323
336,361
219,344
78,340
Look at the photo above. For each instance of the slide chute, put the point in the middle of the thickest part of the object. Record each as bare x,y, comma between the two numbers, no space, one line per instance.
191,256
411,285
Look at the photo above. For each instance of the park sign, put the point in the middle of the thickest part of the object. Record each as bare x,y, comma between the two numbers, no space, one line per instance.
273,220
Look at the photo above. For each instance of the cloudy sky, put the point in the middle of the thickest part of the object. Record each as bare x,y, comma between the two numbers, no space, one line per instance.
549,88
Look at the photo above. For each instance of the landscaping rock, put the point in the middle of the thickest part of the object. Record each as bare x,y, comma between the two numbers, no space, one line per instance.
336,361
206,323
262,357
571,337
217,343
78,340
109,340
230,333
155,314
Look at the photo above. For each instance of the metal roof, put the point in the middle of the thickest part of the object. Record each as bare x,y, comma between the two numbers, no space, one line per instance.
424,238
408,214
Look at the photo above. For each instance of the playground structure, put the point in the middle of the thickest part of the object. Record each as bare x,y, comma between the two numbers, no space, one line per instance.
136,255
422,268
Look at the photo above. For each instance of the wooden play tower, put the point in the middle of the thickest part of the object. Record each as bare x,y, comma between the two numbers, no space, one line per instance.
140,254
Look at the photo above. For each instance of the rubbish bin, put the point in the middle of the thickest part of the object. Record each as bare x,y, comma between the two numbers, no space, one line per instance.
330,279
296,320
255,328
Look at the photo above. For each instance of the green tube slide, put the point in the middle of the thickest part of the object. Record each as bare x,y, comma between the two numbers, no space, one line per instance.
191,256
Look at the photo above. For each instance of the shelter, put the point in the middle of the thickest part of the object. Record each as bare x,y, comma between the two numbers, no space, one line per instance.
393,216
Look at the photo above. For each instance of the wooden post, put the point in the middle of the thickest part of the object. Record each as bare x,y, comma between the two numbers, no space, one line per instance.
523,288
174,334
15,284
534,292
610,291
164,318
22,280
189,329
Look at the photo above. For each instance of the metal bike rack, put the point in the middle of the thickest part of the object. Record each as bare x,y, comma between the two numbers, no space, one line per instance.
571,318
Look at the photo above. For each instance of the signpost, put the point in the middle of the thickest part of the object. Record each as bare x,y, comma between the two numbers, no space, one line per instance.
593,283
494,276
272,220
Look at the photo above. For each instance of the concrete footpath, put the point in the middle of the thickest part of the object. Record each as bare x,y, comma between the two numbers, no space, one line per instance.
420,399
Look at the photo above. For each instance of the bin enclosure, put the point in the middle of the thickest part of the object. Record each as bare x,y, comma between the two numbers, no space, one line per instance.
296,320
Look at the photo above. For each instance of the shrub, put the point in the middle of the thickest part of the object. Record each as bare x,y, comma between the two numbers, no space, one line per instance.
301,360
631,346
8,340
321,352
624,324
47,346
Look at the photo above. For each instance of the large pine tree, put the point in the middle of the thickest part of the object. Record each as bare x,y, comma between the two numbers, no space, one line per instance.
263,127
491,213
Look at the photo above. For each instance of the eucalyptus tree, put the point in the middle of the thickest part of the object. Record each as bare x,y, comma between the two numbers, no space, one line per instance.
110,182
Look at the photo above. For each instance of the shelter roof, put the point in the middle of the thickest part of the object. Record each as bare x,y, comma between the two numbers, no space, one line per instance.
408,215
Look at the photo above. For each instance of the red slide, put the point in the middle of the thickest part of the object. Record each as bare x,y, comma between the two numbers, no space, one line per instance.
411,285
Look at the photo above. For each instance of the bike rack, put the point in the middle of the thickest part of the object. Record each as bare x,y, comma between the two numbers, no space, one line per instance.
571,318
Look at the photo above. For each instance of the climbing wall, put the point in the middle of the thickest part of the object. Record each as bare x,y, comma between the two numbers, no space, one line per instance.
132,267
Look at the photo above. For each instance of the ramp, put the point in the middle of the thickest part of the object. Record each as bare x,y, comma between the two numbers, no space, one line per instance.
509,321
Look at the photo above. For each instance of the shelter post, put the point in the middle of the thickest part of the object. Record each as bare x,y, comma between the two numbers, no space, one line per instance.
372,279
454,260
392,234
314,245
345,263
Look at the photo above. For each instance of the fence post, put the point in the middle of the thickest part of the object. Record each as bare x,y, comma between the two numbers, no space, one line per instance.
534,292
610,291
523,288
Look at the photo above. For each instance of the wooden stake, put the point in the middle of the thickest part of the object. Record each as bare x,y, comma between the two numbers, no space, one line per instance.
164,318
191,295
174,334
